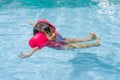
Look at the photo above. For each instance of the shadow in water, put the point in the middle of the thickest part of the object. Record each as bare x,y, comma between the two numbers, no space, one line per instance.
84,62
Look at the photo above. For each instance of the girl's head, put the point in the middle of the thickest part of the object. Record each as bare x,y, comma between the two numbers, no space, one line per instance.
46,29
39,27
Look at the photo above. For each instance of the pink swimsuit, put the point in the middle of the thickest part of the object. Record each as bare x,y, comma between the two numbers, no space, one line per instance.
40,40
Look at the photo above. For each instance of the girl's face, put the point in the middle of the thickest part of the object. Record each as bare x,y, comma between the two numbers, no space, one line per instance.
52,35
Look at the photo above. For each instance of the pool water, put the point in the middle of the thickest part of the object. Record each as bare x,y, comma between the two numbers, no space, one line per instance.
73,19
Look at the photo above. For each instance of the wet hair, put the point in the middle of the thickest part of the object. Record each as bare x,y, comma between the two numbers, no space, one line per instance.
43,27
40,27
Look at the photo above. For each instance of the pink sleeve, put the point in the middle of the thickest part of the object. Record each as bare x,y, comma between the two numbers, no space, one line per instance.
57,33
38,40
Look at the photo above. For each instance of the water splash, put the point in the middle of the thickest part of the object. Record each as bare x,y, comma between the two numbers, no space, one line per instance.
106,7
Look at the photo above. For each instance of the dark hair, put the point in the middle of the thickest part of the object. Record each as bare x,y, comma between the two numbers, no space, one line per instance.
46,29
40,27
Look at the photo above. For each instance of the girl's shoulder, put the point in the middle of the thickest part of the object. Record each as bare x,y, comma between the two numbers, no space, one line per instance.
39,40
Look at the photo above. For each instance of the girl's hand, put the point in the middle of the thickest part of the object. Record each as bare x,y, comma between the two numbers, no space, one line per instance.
32,23
28,54
24,55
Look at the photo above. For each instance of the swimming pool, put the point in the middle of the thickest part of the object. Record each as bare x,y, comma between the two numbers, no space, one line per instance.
72,18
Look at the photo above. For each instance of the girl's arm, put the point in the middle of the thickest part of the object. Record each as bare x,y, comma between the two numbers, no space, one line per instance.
28,54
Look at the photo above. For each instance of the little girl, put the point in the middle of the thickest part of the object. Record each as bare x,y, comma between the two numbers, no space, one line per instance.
45,35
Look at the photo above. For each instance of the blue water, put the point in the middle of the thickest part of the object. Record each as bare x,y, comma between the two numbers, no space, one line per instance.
72,18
